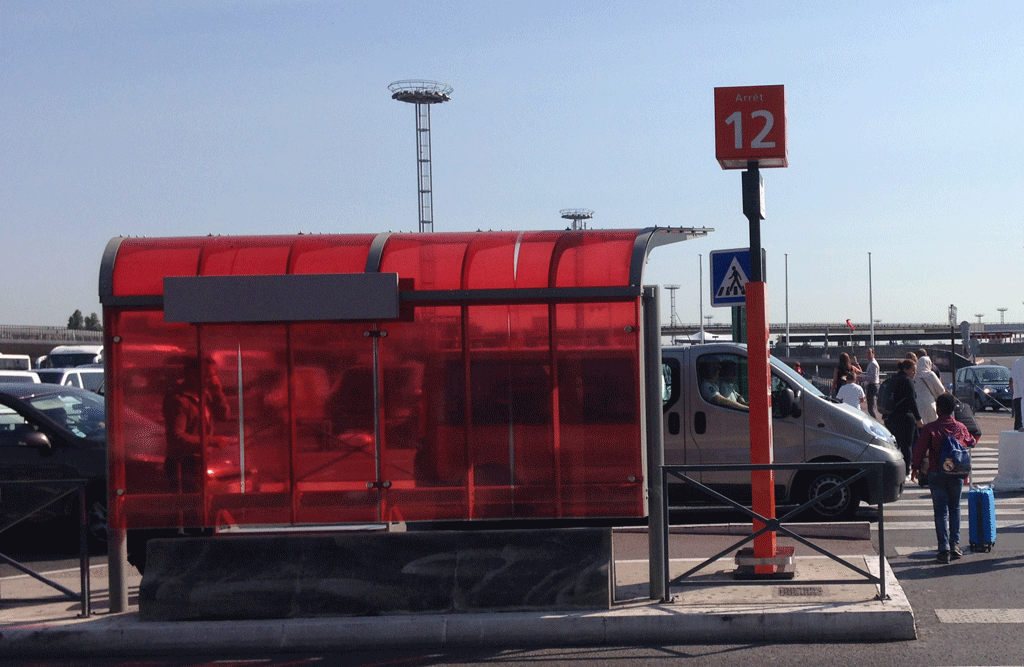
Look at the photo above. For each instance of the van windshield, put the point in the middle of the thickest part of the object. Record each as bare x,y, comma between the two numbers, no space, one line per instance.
15,362
70,359
794,377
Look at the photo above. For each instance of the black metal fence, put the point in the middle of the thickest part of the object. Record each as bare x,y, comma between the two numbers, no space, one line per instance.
860,471
70,486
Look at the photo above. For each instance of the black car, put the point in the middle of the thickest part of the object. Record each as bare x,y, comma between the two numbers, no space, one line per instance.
50,433
982,387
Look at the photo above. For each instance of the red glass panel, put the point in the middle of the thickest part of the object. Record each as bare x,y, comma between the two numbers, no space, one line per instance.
599,259
599,404
334,454
144,367
423,445
246,256
331,254
142,264
249,374
533,263
433,264
490,262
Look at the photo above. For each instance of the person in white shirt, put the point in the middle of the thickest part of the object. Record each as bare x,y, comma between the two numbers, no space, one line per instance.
1017,386
851,393
871,381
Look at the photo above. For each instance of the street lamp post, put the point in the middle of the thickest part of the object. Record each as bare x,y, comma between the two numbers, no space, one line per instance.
871,303
787,305
700,294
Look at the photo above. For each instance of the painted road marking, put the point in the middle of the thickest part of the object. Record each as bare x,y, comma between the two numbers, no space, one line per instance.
980,615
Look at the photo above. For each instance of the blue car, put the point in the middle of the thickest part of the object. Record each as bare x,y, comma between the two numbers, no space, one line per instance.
984,387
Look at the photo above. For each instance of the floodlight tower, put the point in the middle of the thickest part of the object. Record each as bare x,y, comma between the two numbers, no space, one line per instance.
578,216
422,94
673,319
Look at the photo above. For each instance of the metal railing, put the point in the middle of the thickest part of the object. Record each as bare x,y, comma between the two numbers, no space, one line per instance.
863,471
83,537
9,332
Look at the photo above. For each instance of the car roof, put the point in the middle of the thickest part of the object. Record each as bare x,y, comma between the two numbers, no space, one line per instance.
23,390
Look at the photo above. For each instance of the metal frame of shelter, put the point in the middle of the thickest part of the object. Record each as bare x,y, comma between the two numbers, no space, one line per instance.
375,378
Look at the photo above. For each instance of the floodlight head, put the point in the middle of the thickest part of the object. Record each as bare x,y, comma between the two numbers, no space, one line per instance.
577,215
418,91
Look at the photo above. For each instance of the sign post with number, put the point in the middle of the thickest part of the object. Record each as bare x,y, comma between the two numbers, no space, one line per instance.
750,133
750,124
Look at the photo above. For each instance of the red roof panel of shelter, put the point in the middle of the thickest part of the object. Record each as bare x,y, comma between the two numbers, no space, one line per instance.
443,261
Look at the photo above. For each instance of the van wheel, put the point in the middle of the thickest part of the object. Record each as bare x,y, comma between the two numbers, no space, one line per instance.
841,504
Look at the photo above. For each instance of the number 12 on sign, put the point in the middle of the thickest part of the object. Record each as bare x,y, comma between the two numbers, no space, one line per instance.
736,120
750,126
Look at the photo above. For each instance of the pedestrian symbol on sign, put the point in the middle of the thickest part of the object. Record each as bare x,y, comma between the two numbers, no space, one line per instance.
730,272
735,280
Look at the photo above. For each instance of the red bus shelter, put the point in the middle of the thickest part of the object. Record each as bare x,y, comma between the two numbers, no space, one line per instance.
316,379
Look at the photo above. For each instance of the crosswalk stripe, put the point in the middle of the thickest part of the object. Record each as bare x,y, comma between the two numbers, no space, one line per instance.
930,524
980,615
929,551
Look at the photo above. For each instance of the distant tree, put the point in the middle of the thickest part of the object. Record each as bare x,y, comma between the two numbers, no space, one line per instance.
76,321
93,323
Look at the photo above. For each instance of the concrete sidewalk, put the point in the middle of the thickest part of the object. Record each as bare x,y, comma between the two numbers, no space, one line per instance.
36,620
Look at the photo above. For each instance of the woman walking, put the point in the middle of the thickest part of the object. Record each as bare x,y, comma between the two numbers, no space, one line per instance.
928,387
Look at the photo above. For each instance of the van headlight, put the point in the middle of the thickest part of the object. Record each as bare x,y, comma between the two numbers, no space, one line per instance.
878,431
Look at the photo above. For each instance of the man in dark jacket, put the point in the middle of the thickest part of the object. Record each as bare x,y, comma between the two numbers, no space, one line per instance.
905,420
945,488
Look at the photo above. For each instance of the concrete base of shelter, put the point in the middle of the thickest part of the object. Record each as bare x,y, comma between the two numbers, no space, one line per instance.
34,622
345,574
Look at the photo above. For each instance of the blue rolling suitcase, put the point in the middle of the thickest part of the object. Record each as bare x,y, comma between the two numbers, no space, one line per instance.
981,518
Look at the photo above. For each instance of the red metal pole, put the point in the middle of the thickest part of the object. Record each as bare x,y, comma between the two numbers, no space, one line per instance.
761,447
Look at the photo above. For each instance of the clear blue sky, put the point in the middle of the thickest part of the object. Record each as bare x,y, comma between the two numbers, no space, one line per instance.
264,117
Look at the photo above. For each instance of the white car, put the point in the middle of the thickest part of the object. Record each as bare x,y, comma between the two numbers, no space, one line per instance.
83,377
19,376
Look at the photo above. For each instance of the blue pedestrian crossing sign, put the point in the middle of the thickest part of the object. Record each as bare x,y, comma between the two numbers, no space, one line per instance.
730,273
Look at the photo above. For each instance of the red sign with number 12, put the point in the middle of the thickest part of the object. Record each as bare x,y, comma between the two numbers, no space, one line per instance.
750,124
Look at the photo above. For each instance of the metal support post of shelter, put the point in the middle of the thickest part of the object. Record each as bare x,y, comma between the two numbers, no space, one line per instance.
657,522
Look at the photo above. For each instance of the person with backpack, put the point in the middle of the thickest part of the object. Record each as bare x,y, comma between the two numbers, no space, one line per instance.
902,418
945,441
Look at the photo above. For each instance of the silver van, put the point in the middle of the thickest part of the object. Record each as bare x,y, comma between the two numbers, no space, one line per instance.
706,422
